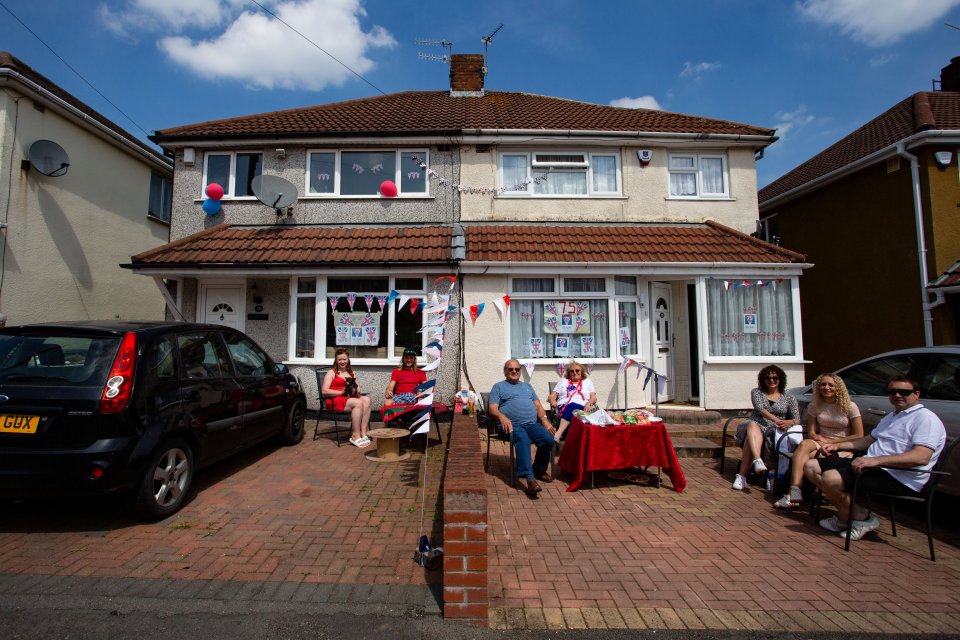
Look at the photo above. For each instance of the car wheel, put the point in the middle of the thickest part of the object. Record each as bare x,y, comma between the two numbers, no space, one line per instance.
293,432
166,481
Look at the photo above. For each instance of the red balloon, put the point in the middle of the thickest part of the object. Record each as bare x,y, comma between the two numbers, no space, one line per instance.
214,191
388,189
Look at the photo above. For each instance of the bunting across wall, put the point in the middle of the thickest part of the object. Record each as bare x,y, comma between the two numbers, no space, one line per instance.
475,190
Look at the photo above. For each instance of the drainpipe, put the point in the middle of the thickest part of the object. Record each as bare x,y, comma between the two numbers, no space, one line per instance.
921,243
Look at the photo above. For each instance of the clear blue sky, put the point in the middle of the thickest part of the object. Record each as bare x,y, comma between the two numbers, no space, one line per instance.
815,69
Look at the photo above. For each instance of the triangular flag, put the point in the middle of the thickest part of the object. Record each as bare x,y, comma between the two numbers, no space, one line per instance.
623,365
393,296
434,299
646,380
426,400
640,368
427,329
661,385
351,300
433,352
431,365
474,310
333,303
383,302
368,298
530,366
421,424
403,300
429,384
414,304
590,366
726,285
498,303
506,300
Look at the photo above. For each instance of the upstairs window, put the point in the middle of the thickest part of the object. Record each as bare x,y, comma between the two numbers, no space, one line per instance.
161,197
360,173
233,171
560,173
698,175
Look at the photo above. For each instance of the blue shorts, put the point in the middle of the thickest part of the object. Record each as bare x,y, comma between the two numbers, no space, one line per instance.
568,410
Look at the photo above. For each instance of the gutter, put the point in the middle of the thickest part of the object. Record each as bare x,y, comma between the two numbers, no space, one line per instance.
7,74
494,135
921,243
889,151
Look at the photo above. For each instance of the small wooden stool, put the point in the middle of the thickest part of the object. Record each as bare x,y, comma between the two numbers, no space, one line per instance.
388,445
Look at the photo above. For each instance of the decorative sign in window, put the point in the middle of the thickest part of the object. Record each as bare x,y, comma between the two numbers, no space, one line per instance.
358,329
566,316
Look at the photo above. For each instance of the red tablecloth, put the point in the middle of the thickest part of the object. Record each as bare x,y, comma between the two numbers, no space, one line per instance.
397,410
592,448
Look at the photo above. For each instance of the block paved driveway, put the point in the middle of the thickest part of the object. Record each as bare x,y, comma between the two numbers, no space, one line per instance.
628,556
309,514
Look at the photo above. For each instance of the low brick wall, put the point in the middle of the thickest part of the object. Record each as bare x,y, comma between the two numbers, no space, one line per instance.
465,526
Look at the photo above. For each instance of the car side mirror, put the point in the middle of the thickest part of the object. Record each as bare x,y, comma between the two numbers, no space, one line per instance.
280,369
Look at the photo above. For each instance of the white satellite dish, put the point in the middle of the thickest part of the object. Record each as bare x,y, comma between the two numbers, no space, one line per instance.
48,158
274,191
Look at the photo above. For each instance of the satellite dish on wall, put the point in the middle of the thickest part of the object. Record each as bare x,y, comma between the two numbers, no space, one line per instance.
48,158
274,191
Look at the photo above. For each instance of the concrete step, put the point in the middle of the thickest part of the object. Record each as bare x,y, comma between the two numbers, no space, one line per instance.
711,432
696,448
688,416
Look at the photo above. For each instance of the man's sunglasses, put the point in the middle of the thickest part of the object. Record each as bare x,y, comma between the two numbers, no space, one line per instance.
511,369
903,393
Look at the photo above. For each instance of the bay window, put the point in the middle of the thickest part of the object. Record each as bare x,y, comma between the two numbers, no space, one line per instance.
698,175
751,317
560,173
234,171
356,313
570,317
352,173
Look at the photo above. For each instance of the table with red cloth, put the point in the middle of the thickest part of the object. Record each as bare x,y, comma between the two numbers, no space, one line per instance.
593,448
394,411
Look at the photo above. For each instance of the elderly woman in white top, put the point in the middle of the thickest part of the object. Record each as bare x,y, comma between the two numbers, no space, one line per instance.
831,417
575,392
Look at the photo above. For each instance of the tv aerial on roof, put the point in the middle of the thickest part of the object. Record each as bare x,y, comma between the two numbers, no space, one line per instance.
48,158
437,43
275,192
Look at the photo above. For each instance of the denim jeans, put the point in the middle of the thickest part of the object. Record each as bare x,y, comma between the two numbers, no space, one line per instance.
523,436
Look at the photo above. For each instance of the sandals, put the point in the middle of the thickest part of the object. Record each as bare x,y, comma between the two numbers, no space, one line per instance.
785,503
360,442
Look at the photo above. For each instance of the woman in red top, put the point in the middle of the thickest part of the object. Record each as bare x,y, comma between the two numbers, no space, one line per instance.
404,380
338,397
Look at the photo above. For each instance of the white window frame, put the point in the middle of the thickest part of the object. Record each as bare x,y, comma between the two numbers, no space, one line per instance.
537,168
697,171
609,295
423,154
230,189
705,328
320,317
166,197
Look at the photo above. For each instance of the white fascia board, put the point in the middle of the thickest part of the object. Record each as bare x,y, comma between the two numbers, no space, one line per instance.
247,271
484,136
911,142
88,122
690,269
383,142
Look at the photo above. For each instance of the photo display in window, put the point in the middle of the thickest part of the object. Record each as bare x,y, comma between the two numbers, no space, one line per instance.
751,317
356,316
559,328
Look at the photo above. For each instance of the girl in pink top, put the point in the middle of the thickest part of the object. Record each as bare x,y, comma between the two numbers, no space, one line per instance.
831,417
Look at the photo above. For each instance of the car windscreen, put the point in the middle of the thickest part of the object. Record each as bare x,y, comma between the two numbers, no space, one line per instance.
57,360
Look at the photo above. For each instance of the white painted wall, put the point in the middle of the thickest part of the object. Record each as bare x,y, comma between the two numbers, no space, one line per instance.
67,236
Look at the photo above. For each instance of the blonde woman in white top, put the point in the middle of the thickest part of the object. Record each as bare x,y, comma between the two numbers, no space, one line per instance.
575,392
831,417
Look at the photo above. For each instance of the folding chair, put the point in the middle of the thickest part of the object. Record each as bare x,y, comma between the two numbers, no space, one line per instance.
925,496
326,411
765,453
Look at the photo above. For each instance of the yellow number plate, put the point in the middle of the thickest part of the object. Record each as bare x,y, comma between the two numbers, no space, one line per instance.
19,424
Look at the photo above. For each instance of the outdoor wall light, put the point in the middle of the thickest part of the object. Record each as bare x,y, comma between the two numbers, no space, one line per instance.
255,292
943,158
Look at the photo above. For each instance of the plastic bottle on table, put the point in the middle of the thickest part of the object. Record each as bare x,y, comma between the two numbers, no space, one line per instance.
472,403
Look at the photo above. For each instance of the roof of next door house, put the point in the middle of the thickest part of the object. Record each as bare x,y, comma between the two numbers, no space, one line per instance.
437,112
925,111
229,246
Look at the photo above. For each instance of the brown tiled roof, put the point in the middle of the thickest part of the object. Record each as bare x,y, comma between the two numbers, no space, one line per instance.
9,61
949,278
709,242
437,111
227,246
939,110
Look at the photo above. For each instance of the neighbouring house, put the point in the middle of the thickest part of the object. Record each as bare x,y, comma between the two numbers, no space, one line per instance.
877,213
79,195
613,234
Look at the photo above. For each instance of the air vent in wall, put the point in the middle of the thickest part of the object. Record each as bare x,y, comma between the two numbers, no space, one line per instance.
893,164
483,148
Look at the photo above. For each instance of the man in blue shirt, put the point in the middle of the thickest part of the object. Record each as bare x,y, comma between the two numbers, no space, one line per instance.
910,437
516,405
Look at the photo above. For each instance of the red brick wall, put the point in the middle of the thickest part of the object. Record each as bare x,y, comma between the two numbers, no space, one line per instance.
465,526
466,72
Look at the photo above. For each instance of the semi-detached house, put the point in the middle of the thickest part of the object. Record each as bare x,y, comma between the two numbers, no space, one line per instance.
614,233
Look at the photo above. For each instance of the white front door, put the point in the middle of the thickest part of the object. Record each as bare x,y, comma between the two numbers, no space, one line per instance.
221,304
663,336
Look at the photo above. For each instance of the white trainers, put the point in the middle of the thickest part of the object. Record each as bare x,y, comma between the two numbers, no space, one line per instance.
739,483
758,467
861,528
833,524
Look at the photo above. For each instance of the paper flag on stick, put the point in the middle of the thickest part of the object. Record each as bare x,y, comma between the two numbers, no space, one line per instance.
530,366
561,367
431,365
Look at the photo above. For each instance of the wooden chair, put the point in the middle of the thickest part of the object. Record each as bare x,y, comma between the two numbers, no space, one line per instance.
326,411
925,496
494,430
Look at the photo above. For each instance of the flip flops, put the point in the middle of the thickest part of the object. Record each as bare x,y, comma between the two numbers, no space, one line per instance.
360,442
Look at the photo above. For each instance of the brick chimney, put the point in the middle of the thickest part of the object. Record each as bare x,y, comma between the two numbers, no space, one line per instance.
466,74
949,76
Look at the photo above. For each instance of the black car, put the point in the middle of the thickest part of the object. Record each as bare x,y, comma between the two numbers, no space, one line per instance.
136,407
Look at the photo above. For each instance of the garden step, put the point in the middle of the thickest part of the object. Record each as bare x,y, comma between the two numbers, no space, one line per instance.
696,448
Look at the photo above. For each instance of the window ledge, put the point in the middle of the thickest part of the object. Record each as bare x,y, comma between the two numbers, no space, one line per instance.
228,199
154,218
751,359
328,362
334,196
697,199
528,196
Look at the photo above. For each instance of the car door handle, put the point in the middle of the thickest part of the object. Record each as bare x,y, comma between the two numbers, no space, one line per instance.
877,412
